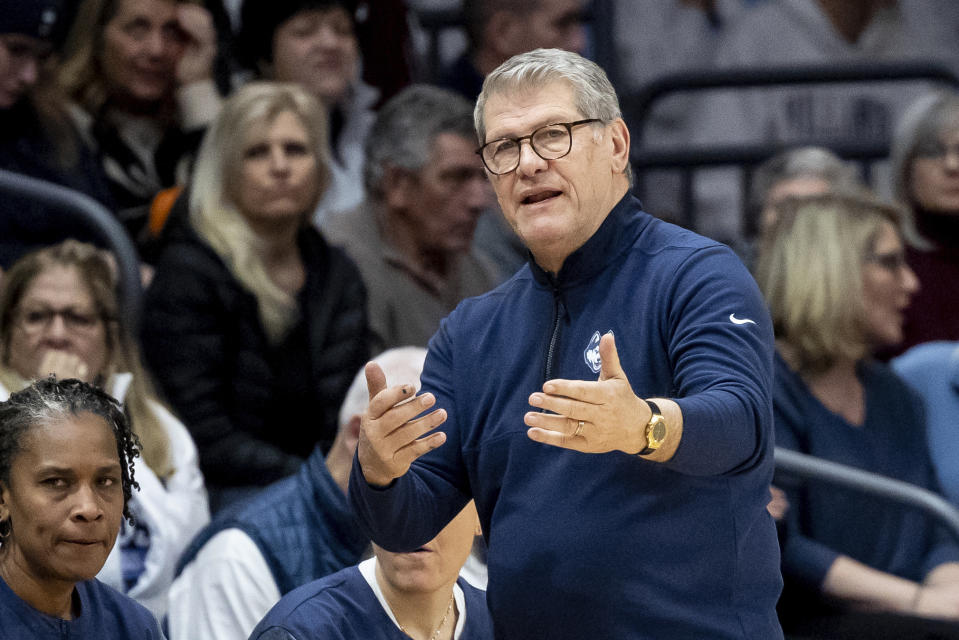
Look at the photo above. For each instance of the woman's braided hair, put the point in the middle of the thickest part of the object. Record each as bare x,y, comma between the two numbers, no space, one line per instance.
52,400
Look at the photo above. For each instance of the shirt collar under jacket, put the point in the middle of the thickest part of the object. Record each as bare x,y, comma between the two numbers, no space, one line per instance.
616,234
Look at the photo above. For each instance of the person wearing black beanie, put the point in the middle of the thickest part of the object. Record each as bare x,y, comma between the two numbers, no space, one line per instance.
36,136
27,28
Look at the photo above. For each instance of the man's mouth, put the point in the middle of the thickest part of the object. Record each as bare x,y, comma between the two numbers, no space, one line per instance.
540,196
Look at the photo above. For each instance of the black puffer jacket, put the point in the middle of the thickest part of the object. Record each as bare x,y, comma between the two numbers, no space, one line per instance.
204,342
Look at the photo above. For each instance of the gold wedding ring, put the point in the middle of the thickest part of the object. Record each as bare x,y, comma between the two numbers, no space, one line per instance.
579,429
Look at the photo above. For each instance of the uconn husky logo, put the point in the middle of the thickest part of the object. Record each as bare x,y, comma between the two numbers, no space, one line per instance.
591,355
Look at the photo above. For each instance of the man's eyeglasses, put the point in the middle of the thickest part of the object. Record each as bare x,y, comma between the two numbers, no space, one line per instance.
36,320
549,142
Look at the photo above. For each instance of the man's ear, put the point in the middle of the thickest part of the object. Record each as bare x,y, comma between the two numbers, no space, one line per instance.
619,140
398,188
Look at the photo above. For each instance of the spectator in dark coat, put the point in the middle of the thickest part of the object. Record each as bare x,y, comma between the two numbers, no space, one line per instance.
253,323
36,135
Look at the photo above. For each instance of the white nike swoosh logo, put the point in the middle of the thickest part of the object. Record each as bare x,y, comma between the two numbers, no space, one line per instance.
735,320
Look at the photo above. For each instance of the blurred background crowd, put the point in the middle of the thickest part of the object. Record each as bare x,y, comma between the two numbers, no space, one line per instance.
300,184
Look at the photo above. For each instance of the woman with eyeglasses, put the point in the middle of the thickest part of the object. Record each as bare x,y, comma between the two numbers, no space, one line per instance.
66,479
925,170
58,315
833,272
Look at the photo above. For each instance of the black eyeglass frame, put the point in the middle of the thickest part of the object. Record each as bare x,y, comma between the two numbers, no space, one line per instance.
518,141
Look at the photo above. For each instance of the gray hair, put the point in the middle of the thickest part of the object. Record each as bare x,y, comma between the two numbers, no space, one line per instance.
405,128
401,365
803,162
593,93
922,124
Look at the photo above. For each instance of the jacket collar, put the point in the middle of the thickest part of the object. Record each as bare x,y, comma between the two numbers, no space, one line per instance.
617,233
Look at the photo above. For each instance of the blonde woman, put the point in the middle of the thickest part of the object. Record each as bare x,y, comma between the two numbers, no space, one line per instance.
834,274
254,324
58,314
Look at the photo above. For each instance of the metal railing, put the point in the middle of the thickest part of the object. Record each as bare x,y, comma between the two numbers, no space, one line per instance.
813,469
103,224
638,106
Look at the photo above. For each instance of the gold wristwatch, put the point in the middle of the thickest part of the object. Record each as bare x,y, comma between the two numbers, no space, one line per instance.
655,430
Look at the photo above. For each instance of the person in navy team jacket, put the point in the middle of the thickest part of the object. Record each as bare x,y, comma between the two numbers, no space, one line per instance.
66,475
607,515
392,596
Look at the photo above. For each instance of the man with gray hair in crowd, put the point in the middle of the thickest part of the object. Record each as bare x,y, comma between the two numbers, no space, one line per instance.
413,236
295,531
621,482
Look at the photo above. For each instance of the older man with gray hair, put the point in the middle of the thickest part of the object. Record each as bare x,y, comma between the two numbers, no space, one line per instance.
621,482
413,236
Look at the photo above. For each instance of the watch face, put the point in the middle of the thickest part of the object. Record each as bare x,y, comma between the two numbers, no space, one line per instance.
659,430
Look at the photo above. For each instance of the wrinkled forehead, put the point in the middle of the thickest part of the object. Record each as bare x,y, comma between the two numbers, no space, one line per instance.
531,103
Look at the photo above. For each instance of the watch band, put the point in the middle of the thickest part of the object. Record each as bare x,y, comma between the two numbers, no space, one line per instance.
655,430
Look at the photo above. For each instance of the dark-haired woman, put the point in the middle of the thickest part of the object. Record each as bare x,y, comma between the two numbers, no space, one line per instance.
58,314
66,473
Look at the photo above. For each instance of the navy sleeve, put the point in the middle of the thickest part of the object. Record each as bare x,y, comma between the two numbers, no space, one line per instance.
435,488
720,344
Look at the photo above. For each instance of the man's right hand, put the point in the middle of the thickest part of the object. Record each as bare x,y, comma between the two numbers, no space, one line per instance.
390,433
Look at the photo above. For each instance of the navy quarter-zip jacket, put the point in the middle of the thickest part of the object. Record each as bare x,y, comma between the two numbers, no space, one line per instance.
607,545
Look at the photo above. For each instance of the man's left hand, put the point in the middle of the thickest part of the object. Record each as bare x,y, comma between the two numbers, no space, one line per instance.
592,417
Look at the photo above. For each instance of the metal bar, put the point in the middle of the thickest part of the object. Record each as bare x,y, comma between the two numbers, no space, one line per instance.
101,221
640,103
815,469
742,154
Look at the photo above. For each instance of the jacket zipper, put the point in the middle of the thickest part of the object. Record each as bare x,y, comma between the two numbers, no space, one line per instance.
554,335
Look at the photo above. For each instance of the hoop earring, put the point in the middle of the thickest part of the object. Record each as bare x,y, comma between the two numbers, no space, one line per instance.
5,529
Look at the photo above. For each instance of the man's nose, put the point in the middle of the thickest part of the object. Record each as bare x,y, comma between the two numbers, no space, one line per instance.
529,161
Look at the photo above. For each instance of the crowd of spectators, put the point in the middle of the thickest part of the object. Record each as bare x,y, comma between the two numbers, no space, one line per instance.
302,200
